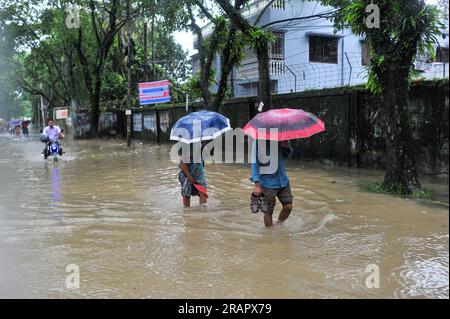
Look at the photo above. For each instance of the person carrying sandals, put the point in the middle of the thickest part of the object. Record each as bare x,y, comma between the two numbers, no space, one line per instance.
269,175
269,186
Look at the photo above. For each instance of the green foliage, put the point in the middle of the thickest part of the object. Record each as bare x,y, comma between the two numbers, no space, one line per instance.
407,29
10,106
193,87
43,51
379,188
260,38
373,81
24,107
114,87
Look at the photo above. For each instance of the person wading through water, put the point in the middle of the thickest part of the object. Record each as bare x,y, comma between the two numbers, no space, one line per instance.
269,186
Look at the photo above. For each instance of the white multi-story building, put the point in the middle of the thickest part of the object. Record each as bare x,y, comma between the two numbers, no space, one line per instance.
307,54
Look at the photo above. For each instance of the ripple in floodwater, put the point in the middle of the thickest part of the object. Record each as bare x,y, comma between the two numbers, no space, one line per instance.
117,213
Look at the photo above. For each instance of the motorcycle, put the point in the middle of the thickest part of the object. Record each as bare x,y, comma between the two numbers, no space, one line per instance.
53,148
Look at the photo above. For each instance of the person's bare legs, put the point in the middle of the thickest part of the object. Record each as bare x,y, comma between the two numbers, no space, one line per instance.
268,221
285,212
186,202
203,200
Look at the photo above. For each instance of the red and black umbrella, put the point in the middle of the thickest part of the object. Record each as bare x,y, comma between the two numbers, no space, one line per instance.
289,124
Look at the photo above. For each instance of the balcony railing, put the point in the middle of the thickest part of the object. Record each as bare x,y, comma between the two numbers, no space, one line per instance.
252,8
276,67
257,6
279,4
249,68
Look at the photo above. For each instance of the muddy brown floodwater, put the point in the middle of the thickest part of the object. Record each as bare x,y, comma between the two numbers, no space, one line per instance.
117,214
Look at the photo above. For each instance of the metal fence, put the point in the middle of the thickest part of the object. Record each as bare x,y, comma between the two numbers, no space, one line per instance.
349,70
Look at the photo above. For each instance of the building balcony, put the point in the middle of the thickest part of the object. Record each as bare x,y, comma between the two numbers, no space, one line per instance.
248,71
256,6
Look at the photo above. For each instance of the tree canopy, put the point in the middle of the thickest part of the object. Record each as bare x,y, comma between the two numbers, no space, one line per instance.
399,31
43,55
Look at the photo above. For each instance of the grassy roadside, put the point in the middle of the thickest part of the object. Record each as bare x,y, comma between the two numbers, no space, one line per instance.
378,188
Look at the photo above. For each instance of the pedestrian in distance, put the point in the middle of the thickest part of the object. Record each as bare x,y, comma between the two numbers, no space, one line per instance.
192,174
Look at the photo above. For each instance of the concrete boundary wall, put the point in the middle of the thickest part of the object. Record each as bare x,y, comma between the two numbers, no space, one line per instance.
353,118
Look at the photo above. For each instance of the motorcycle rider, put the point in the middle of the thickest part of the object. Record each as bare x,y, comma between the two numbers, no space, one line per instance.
51,132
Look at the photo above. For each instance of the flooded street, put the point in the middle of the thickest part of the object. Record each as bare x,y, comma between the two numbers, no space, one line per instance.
117,214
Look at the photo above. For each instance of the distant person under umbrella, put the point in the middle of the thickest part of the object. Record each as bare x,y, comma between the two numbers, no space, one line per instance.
192,176
15,126
25,125
194,131
17,130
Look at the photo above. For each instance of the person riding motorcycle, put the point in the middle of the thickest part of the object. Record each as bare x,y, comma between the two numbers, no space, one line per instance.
51,133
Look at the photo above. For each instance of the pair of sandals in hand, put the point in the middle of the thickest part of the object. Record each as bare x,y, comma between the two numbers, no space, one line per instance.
258,203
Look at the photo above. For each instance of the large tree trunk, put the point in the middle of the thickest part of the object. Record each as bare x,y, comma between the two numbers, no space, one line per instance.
95,107
401,175
209,62
105,39
144,58
262,49
228,60
264,94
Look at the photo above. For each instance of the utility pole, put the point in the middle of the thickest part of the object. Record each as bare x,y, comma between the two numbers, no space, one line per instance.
128,113
38,115
43,109
153,47
144,59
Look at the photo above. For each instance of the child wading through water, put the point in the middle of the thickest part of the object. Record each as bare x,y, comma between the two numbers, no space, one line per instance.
192,174
270,186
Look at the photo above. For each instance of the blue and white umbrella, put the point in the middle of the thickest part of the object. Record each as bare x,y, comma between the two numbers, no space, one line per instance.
199,126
